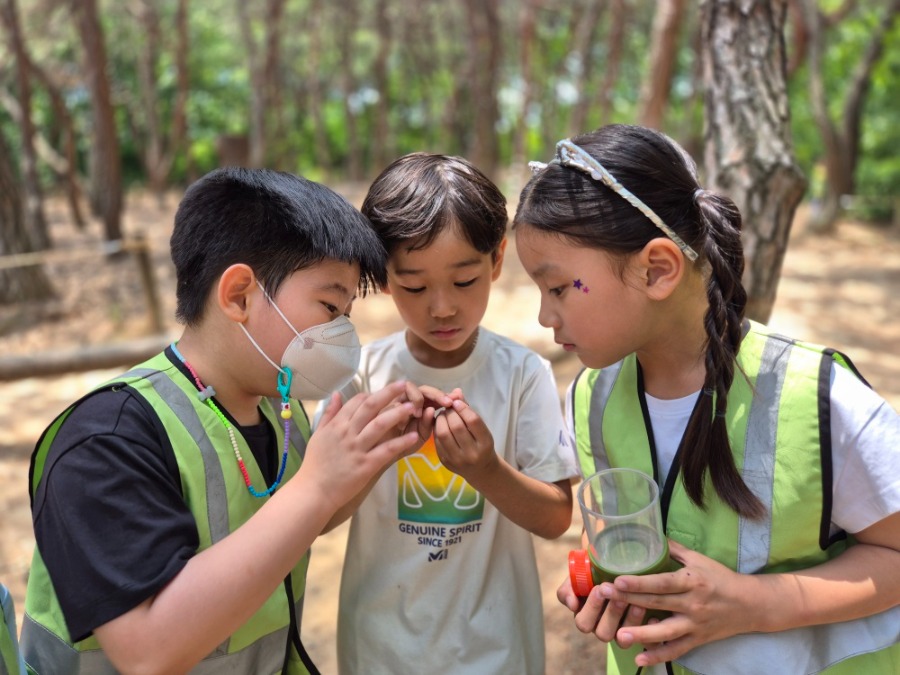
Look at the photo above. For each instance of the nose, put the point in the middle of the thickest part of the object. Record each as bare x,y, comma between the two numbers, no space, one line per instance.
442,305
546,317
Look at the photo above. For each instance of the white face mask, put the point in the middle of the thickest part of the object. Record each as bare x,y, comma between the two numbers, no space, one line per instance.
318,361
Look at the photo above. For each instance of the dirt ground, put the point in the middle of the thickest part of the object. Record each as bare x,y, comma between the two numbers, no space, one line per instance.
842,290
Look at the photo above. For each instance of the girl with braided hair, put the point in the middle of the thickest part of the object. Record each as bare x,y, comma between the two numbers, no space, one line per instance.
778,466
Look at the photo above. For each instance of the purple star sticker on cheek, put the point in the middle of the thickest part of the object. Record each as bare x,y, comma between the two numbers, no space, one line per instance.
580,286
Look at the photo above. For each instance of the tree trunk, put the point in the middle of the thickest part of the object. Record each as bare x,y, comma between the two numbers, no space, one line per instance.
159,148
382,142
663,57
179,133
617,28
585,35
105,161
316,108
272,98
840,139
17,284
484,29
749,153
348,19
36,223
526,40
69,169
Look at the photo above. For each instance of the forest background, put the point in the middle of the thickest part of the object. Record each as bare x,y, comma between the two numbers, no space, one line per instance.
108,109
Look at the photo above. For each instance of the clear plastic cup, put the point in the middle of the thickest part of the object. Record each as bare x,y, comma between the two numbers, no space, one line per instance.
623,524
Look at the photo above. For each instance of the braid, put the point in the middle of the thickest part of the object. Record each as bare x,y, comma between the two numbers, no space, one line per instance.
707,433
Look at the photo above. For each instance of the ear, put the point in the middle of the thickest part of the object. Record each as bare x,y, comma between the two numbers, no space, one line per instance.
236,285
661,266
498,259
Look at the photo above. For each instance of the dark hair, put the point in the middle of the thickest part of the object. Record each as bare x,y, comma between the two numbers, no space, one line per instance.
275,222
566,202
420,194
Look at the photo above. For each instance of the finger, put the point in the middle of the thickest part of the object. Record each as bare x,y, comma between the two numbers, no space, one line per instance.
451,431
414,396
425,424
476,426
566,595
612,618
655,632
387,420
634,617
391,450
662,583
436,395
367,406
457,394
663,652
332,409
586,619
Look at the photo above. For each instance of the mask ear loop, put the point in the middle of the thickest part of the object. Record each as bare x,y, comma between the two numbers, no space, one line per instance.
277,309
285,376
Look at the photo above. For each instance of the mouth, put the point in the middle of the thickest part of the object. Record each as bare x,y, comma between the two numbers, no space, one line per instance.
445,333
568,346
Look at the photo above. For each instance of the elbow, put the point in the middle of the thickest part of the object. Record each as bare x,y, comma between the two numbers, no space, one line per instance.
557,526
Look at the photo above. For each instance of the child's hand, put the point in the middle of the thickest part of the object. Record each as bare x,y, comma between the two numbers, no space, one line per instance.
464,444
708,602
426,400
595,614
353,442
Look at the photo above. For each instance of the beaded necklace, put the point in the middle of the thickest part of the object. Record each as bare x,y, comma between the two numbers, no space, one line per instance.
205,394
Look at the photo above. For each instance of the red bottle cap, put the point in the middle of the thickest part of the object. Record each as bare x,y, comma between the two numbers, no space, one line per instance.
580,573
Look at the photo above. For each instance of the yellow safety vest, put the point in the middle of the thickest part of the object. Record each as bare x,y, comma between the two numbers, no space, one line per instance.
214,489
779,429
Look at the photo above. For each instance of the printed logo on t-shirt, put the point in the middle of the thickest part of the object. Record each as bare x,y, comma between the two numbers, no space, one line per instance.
428,492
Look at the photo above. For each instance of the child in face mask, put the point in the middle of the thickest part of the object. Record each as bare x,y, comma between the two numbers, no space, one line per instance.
162,541
768,451
440,573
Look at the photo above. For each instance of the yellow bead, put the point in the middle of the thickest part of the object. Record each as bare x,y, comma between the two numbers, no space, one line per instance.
286,414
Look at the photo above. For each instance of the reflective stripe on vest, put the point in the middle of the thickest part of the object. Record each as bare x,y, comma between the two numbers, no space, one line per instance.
10,661
774,425
214,490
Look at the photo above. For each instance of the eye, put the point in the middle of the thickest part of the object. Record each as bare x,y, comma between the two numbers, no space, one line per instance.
413,290
465,284
331,308
557,291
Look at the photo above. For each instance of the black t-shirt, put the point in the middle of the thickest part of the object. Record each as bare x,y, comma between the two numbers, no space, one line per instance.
110,520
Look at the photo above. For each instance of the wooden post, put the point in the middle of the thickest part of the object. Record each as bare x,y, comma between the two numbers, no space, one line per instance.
141,251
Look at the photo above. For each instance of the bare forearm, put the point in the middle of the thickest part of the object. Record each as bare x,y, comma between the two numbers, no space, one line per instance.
220,588
545,509
348,509
864,580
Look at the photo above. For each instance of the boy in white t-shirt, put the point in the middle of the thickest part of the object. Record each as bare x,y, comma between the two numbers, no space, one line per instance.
440,572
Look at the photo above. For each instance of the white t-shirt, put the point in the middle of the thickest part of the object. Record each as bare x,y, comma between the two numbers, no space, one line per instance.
865,437
435,579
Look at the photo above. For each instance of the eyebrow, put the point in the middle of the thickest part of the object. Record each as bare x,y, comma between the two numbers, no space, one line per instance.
336,287
544,268
406,271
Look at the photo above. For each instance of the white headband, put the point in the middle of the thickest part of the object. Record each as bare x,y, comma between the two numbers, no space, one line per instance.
570,155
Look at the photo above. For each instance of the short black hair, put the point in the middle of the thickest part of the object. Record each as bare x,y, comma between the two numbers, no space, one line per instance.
420,194
275,222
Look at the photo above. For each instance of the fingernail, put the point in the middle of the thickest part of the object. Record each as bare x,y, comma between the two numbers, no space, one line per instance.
458,405
606,591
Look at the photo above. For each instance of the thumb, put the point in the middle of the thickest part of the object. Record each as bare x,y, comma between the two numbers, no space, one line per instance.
679,552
